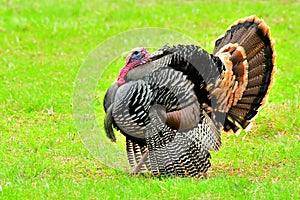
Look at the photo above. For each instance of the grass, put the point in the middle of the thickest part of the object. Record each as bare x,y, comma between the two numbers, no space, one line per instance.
43,45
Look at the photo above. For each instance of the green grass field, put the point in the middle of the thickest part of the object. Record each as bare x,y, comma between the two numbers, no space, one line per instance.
42,47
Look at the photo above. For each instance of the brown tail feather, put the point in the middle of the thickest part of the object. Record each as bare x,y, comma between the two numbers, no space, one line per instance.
248,52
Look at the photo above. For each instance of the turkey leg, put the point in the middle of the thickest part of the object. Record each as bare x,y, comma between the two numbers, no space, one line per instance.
140,163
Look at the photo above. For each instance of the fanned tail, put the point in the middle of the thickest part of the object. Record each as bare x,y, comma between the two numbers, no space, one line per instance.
248,53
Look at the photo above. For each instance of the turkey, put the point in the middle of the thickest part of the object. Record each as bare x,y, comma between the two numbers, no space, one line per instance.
172,105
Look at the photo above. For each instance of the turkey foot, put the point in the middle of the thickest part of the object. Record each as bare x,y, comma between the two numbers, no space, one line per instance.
140,163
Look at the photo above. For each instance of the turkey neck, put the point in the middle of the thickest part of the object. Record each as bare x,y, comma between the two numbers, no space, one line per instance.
139,72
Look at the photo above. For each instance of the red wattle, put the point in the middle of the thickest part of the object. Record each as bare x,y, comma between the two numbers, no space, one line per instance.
123,72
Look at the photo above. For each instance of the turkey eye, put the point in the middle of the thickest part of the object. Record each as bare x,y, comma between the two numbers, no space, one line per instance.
136,55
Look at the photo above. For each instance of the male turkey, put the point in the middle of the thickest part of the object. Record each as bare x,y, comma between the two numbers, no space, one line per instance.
172,105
